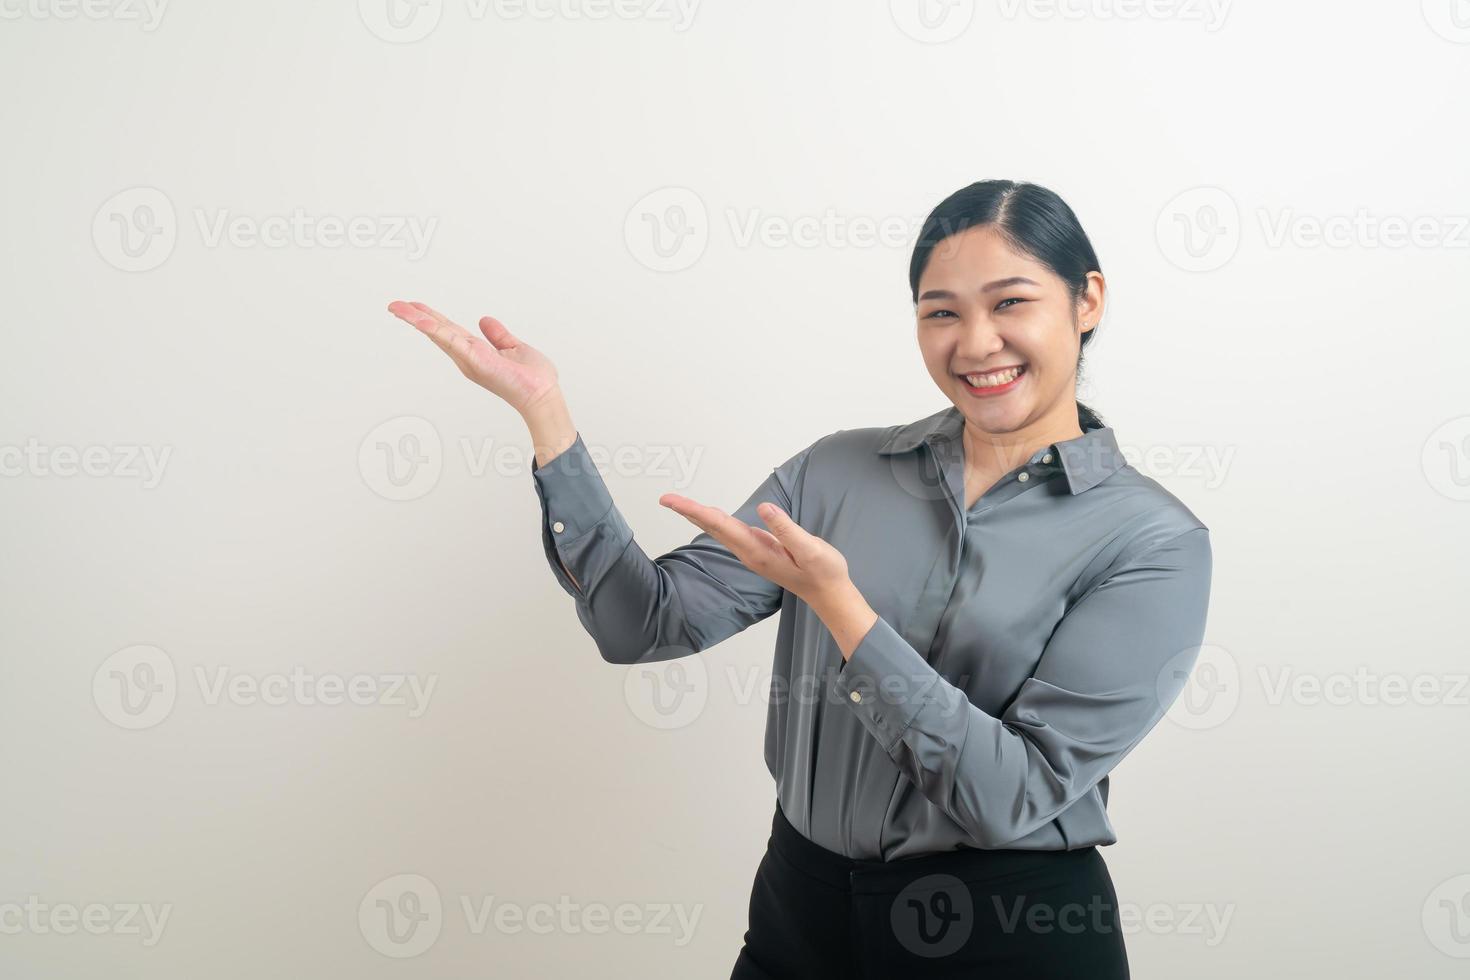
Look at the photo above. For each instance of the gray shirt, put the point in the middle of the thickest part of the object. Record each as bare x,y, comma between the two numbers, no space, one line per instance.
1023,647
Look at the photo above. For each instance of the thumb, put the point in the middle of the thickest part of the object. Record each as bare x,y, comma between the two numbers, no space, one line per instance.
498,334
787,531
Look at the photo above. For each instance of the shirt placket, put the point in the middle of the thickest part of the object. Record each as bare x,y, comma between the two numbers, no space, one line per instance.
949,458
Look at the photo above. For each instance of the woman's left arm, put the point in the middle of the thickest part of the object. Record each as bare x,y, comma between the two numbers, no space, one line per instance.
1113,666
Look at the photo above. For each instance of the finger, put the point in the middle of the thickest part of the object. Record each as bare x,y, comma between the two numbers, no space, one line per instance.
453,330
463,344
498,334
451,338
426,308
770,542
435,315
413,316
787,531
419,315
732,532
701,515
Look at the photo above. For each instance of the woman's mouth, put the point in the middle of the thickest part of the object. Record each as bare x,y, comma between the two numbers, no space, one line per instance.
994,382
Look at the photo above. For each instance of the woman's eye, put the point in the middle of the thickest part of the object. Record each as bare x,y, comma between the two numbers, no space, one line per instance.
930,316
1009,299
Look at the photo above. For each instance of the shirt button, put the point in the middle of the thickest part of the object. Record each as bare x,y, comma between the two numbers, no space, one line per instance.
1046,458
558,527
856,696
1024,477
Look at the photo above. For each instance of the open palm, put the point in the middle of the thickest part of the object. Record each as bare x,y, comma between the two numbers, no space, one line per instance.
500,362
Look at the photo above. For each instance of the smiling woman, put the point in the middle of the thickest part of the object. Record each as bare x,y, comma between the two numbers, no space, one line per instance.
1023,614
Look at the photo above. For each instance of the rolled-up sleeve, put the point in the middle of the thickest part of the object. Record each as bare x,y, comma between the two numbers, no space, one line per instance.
1112,667
640,609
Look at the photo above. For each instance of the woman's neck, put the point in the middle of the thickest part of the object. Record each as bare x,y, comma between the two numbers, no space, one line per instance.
996,453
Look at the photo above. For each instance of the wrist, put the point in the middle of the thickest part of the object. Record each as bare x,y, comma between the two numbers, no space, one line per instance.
550,424
846,614
550,404
832,600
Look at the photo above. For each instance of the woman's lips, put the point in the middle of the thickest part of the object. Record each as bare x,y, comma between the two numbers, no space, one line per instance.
993,390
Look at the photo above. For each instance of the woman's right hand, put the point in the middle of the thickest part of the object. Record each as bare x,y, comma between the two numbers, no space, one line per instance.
501,363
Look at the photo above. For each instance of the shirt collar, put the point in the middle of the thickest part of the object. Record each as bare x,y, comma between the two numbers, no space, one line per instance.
1086,460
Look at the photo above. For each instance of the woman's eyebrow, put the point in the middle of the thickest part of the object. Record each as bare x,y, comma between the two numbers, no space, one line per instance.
988,287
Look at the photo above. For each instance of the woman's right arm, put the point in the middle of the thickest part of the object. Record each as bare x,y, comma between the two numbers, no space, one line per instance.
640,609
636,608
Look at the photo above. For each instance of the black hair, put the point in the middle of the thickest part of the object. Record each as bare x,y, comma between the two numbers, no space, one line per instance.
1033,220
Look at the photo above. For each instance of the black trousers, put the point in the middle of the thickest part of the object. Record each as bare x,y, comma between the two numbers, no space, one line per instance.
1032,915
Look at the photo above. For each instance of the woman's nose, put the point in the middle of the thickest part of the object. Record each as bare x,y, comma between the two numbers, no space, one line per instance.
978,340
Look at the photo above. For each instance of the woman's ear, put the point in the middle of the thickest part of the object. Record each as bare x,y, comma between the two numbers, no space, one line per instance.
1090,307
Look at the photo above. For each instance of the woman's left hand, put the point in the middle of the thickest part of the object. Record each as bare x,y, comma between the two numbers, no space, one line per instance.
801,563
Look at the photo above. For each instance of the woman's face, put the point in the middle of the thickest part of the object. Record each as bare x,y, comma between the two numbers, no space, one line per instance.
984,307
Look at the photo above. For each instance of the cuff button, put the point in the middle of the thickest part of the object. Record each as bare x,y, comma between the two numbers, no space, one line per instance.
558,527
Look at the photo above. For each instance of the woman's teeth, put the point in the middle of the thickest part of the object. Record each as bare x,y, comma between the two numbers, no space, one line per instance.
991,380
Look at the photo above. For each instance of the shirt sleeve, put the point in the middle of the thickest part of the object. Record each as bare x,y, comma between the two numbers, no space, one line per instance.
640,609
1112,667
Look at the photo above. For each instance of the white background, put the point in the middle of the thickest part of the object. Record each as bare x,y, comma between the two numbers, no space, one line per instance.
1277,193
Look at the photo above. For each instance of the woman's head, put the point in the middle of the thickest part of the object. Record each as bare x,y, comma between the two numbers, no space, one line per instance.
1003,276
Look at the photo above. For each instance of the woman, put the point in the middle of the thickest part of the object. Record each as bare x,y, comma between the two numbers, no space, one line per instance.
982,612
